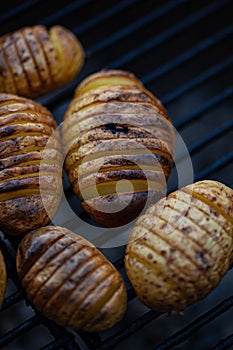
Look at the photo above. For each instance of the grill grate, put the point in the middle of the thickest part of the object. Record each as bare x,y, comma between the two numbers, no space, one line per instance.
182,50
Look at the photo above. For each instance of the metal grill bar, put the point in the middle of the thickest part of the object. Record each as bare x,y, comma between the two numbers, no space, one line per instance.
196,146
61,341
224,343
168,34
198,80
220,163
64,11
19,330
17,10
13,299
187,55
109,343
136,25
102,16
56,344
196,325
205,107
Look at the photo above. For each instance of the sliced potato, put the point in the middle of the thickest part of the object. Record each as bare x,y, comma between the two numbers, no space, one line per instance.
115,127
35,61
30,165
180,249
69,280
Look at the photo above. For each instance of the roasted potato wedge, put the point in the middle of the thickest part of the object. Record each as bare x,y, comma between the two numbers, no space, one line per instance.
69,280
114,131
30,165
35,60
2,279
181,248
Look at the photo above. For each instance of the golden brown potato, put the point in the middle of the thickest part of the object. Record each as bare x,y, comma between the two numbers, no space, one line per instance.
2,279
119,143
69,280
35,61
30,167
181,248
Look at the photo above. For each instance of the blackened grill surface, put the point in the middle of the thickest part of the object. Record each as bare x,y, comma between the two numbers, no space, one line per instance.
182,51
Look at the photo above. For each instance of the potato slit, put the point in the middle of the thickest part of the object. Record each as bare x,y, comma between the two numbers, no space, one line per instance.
36,256
29,150
100,303
150,245
25,78
9,101
46,257
177,247
206,213
40,80
155,267
139,142
30,133
67,315
201,227
97,303
147,105
45,55
25,193
109,188
39,173
25,111
10,72
211,204
158,252
206,252
56,295
38,162
187,236
102,154
152,267
52,273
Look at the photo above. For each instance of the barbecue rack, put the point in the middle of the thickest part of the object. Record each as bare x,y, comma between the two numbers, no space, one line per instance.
182,51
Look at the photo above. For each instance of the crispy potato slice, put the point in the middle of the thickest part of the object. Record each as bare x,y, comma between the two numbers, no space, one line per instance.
30,165
69,280
35,60
112,118
180,249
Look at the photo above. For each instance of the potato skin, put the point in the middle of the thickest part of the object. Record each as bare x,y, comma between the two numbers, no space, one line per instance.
30,167
3,277
35,60
181,248
69,280
115,129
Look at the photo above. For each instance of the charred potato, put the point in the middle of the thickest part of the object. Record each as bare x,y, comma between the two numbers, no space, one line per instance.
30,167
69,280
181,248
2,279
35,61
115,129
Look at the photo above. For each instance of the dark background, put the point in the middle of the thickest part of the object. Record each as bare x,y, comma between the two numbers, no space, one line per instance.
182,51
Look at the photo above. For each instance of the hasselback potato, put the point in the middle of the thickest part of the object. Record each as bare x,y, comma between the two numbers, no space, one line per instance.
35,60
30,165
69,280
119,144
2,279
181,248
